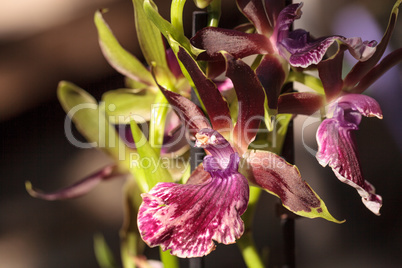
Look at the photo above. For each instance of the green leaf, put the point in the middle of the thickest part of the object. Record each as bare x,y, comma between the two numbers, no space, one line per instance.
149,37
123,61
103,253
148,160
123,104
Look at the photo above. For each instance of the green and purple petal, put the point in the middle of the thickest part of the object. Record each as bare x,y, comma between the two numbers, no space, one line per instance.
337,148
273,174
301,50
187,218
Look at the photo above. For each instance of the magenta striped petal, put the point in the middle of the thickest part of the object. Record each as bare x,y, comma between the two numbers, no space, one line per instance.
186,218
337,148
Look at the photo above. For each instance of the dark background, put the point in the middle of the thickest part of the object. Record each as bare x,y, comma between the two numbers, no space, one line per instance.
36,233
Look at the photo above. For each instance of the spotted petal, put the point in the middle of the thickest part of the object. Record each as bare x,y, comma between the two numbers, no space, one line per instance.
337,148
186,218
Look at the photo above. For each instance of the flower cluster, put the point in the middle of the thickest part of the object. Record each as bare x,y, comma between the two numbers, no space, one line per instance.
186,213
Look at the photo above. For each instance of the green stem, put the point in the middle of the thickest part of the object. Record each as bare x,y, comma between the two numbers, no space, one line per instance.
246,242
157,123
308,80
214,13
168,260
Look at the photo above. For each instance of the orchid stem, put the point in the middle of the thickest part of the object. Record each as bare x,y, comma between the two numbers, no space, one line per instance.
168,260
307,80
246,243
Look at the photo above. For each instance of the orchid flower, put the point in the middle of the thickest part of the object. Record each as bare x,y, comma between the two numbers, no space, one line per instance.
280,47
346,106
185,218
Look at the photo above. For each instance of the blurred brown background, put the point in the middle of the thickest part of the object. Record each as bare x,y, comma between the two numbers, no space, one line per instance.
43,42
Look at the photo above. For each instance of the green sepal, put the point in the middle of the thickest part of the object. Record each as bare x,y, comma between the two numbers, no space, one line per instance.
122,60
149,37
167,29
148,160
123,104
176,14
164,77
157,122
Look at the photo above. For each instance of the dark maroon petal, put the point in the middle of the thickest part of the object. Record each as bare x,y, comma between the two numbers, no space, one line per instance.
215,105
76,190
362,68
250,96
174,66
285,19
336,148
385,64
239,44
186,218
330,72
254,10
273,174
305,103
272,73
273,9
191,114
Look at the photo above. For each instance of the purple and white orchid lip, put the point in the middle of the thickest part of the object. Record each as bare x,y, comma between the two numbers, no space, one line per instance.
337,148
186,218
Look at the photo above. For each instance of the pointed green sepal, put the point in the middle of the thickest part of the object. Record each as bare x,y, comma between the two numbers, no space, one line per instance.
125,104
122,60
148,160
167,29
149,36
91,121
